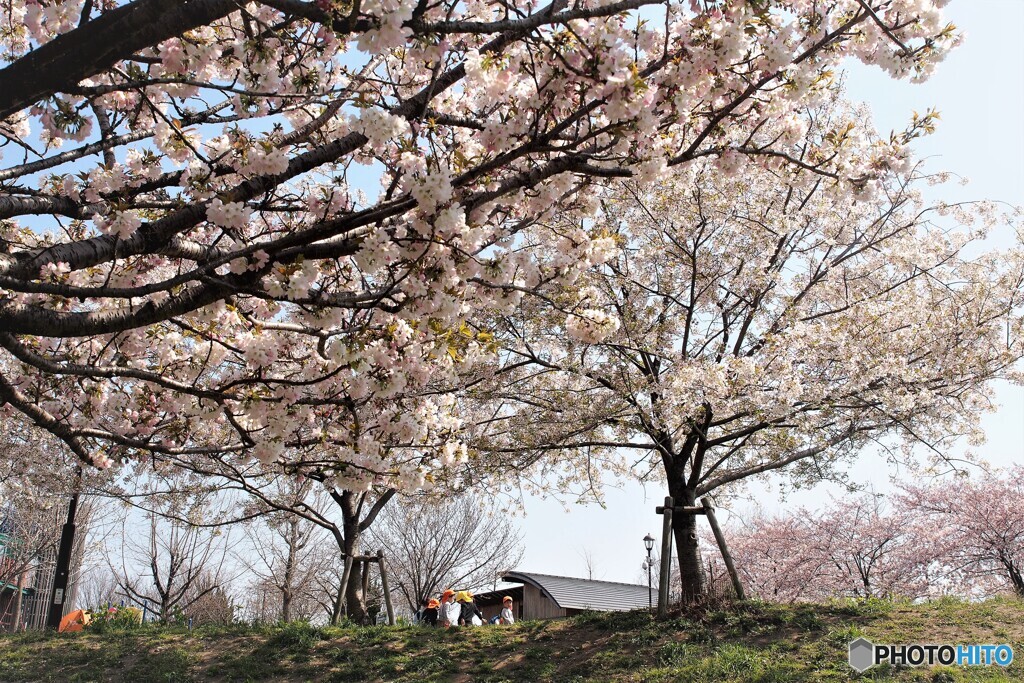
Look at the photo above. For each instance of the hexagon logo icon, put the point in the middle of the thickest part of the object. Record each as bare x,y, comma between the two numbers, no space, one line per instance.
862,654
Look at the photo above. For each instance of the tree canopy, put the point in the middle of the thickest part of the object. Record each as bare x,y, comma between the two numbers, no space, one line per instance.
193,263
748,321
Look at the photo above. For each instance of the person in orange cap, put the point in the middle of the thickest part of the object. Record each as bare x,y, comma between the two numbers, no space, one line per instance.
428,615
449,611
506,611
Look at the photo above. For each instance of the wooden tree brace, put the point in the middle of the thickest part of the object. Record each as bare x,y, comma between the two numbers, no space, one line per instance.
665,577
706,508
726,555
346,574
362,558
681,510
384,585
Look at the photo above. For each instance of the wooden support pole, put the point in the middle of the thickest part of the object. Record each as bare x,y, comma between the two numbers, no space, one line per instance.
364,558
666,558
681,510
345,574
384,584
720,537
366,580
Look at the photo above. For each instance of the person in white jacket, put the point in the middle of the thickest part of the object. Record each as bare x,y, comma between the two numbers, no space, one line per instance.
448,613
506,611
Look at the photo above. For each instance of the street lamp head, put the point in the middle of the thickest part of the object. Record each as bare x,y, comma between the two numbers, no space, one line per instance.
649,542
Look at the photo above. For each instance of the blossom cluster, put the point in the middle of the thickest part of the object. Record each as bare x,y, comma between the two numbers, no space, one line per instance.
591,326
233,215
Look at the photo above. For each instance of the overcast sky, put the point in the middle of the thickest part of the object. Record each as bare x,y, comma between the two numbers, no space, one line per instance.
979,93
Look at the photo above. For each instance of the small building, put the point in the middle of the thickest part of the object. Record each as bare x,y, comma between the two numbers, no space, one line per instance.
490,603
542,596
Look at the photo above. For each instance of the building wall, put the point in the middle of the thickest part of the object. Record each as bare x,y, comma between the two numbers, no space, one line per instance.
538,606
495,610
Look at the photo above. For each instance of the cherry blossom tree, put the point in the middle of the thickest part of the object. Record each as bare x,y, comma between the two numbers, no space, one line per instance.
866,551
254,493
851,547
171,563
287,554
959,537
979,525
771,556
191,264
750,317
433,544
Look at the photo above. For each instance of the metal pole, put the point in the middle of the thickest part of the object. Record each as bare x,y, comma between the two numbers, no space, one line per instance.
726,556
384,585
650,592
63,570
650,563
666,558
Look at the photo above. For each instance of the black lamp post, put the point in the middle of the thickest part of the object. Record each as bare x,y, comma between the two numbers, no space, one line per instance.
58,595
649,543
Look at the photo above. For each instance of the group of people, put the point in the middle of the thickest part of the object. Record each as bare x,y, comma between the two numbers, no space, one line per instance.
459,609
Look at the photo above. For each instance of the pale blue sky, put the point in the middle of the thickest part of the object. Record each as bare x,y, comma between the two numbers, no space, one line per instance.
979,91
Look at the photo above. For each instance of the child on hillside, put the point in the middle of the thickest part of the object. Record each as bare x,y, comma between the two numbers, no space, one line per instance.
429,614
506,611
471,614
449,611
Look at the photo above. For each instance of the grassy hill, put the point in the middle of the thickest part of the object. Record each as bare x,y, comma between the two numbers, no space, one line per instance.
749,642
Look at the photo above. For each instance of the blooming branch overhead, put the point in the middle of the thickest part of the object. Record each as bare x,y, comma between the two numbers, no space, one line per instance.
192,259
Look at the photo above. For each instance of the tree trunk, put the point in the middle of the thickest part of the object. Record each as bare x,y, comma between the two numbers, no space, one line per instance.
350,538
1016,578
18,602
354,597
286,605
684,527
289,571
336,610
355,601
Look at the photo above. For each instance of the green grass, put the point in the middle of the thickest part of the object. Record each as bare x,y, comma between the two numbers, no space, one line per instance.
750,642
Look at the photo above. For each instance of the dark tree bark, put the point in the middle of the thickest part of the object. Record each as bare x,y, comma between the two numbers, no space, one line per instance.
355,601
99,44
683,463
684,529
287,587
1016,577
351,596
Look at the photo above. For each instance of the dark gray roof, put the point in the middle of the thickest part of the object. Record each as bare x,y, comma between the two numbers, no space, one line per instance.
570,593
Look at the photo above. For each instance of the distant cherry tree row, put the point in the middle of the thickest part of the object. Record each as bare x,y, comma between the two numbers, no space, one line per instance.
952,537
